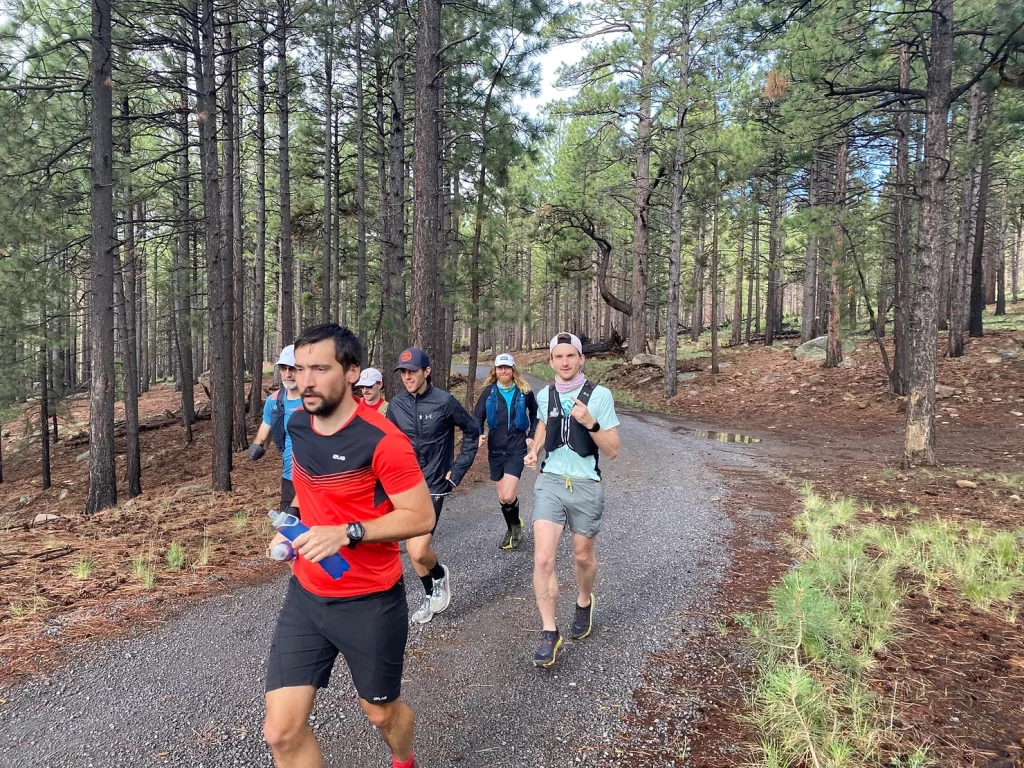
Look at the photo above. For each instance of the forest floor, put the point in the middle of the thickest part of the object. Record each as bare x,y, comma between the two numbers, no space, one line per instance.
954,674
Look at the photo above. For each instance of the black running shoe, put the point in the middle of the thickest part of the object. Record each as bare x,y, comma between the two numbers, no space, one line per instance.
583,620
506,540
547,651
517,535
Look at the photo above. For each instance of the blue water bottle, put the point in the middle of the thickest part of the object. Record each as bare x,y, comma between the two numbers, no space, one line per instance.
291,528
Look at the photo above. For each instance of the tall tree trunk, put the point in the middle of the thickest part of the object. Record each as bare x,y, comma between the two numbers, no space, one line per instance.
736,336
129,371
772,300
960,284
1000,256
697,313
183,308
834,351
394,330
714,273
975,323
217,285
809,314
361,289
228,217
287,324
642,191
102,478
753,291
427,315
919,443
328,43
44,404
1018,251
260,294
235,282
675,249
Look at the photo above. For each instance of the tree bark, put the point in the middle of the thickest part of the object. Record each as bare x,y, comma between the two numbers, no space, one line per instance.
809,317
959,282
714,274
1018,250
774,215
642,191
328,43
44,413
182,290
675,252
901,238
427,315
102,479
1000,257
235,270
697,314
260,256
287,324
834,351
736,336
394,329
919,442
217,285
976,322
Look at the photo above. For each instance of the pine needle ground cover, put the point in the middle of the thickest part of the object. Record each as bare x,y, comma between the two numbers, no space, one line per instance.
836,680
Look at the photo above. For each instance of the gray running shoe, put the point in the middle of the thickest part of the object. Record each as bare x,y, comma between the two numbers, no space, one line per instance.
583,621
441,597
424,613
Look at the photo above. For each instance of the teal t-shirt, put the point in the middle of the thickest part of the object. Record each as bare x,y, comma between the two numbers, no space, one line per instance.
564,460
507,395
290,407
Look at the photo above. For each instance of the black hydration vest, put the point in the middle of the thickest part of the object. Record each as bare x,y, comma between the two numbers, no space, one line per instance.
277,426
567,431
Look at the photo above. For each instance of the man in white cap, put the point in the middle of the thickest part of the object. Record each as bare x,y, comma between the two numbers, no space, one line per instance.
577,424
369,385
276,412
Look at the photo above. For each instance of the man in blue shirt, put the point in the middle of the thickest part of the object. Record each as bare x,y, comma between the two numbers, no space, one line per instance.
577,424
276,412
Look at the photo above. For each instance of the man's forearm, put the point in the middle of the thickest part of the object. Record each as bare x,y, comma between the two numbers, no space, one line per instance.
398,525
262,434
607,441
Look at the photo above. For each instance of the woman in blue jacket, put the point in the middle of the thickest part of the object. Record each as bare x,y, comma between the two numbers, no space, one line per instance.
508,408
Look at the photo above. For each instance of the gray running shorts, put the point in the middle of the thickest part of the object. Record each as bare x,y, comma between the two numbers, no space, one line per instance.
576,502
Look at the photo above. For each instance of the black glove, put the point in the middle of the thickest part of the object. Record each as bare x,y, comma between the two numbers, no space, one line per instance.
256,452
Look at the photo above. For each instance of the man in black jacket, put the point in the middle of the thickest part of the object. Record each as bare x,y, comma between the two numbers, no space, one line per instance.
429,416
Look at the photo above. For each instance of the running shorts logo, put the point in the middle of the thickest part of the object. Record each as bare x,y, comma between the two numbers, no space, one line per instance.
336,457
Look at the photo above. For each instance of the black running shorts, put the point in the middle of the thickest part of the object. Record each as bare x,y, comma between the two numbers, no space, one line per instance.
369,631
502,464
287,492
438,503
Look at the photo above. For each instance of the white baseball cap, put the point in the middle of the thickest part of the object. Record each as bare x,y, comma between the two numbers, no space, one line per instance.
287,356
505,359
369,377
573,339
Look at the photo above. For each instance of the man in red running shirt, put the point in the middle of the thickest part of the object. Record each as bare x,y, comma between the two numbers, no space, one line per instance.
361,491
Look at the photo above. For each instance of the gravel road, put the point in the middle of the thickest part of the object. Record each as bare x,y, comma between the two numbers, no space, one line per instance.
190,693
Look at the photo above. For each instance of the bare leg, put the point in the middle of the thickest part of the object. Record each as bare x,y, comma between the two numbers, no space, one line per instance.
585,564
423,557
507,488
286,727
545,582
394,720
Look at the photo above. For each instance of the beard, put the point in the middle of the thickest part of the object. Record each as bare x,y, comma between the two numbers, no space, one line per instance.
328,405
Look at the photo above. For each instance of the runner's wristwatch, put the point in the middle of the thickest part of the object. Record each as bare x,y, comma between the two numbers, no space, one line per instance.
594,428
355,533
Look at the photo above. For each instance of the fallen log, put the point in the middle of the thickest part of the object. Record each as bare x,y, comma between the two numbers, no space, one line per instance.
121,429
612,345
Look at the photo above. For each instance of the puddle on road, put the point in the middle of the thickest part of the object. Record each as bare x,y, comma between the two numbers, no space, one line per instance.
726,437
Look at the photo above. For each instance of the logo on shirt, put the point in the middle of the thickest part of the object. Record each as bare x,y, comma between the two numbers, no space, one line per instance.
336,457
